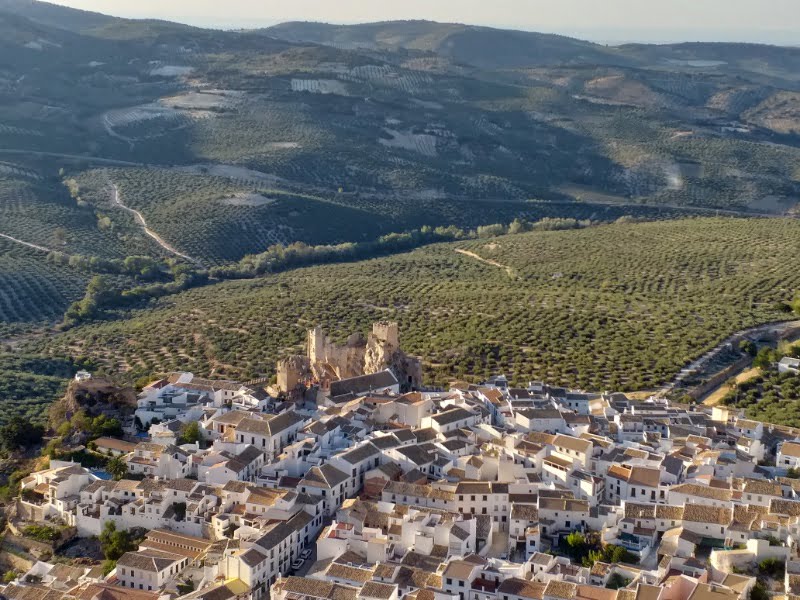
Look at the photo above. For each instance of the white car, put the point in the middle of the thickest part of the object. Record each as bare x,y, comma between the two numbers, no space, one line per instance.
305,554
297,563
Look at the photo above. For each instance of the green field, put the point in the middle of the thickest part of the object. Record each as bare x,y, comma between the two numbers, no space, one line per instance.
369,138
33,291
771,397
29,384
617,307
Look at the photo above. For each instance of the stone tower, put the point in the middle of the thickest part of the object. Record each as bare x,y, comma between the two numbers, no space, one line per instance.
387,332
316,345
291,372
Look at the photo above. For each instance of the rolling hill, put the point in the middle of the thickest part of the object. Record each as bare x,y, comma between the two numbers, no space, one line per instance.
617,307
145,164
481,47
221,144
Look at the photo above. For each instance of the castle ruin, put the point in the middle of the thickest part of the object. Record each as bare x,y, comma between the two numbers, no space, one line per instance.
326,361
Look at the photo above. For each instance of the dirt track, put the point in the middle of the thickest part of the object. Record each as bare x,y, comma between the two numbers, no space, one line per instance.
116,201
487,261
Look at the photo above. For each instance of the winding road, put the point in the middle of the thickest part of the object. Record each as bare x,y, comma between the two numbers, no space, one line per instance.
116,201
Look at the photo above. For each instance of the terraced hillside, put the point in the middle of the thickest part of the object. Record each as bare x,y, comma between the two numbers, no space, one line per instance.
619,307
32,291
220,215
159,157
406,111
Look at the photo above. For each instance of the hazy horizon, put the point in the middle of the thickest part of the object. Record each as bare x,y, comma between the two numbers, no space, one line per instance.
612,21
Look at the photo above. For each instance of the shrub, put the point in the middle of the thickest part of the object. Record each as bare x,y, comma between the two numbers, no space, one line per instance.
41,533
771,567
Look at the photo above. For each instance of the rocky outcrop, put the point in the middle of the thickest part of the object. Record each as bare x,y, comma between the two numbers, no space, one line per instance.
94,397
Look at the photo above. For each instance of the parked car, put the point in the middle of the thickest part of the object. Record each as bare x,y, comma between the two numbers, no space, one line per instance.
298,562
306,554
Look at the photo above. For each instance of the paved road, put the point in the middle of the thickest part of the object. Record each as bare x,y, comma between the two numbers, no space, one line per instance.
700,363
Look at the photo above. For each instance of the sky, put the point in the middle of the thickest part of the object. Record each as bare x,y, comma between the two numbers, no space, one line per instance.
770,21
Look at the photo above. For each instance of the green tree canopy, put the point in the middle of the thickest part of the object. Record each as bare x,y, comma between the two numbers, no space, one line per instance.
190,433
117,468
115,542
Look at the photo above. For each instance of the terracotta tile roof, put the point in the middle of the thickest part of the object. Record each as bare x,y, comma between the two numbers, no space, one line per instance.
307,587
375,589
665,511
702,491
105,591
635,510
762,486
645,476
385,570
514,586
618,471
778,506
698,513
703,591
791,449
572,443
339,571
561,589
593,592
459,569
647,592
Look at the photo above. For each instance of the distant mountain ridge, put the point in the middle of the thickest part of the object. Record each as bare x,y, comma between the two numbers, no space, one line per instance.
475,46
54,15
483,47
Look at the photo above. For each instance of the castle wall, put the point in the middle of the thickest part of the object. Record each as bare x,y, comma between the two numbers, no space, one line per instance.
327,361
387,332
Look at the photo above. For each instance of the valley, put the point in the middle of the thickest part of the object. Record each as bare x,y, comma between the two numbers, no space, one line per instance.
144,164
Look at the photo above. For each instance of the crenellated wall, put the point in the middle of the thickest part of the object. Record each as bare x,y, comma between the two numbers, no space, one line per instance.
326,361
